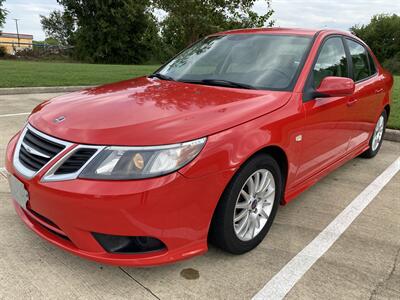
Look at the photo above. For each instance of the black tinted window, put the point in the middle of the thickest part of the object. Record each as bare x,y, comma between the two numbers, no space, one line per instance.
359,57
331,61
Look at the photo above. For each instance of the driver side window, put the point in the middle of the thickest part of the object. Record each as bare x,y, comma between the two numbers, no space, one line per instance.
331,61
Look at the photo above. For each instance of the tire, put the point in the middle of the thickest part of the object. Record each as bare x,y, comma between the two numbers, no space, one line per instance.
232,236
374,145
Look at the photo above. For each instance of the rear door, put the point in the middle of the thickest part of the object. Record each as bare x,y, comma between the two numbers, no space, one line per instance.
326,132
368,96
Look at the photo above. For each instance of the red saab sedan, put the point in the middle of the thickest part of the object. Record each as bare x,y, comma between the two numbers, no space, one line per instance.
147,171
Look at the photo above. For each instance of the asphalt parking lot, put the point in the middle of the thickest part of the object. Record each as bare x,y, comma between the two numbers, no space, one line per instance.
363,263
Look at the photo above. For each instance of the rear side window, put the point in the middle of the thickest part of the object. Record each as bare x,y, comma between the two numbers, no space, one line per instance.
372,67
360,59
331,61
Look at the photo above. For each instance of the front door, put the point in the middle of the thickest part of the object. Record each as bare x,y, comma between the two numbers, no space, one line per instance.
326,133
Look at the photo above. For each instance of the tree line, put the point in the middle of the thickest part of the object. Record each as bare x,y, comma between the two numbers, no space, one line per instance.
3,14
137,31
382,35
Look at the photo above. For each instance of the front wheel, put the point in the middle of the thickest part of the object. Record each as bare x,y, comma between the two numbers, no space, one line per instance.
376,140
248,206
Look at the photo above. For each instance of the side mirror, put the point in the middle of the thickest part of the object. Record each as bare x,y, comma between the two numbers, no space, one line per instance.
332,86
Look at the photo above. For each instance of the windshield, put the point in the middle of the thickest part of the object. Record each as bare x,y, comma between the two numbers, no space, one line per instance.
258,61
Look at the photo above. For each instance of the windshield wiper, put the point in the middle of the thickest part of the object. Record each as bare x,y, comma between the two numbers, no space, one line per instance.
221,82
161,76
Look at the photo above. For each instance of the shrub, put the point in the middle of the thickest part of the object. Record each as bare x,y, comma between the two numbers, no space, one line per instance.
44,53
393,64
3,52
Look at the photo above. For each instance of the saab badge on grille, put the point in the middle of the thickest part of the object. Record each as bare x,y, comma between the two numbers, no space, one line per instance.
59,119
27,148
33,151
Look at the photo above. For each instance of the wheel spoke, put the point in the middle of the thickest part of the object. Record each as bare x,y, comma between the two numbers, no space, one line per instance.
256,182
243,224
264,214
267,193
252,228
267,203
251,187
257,221
242,205
263,181
266,185
241,215
245,228
245,195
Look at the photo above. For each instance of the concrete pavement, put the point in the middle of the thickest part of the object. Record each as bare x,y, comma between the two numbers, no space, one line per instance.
364,263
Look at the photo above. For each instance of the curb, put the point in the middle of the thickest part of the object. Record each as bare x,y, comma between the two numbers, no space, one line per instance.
392,135
41,90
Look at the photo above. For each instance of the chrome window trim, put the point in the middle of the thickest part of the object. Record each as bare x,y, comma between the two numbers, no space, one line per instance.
50,176
19,167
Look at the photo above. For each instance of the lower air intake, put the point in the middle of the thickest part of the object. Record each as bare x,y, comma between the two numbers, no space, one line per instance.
128,244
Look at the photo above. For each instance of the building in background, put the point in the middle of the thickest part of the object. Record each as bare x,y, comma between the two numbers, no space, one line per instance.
13,42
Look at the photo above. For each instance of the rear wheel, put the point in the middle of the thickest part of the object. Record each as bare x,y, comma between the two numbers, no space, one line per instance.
375,142
248,206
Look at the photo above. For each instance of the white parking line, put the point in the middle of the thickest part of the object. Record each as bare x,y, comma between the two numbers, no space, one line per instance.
3,172
291,273
13,115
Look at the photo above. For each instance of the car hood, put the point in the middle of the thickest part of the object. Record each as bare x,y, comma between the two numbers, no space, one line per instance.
146,111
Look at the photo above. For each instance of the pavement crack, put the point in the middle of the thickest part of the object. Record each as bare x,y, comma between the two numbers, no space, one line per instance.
139,283
382,282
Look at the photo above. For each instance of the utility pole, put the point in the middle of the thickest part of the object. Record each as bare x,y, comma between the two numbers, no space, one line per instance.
16,25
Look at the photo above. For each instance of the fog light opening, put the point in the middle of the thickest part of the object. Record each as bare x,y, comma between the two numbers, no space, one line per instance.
128,244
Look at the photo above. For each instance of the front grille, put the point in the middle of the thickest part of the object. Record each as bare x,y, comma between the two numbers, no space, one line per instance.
75,161
36,151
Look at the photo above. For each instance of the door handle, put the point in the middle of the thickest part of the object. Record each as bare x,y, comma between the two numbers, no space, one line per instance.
352,102
378,91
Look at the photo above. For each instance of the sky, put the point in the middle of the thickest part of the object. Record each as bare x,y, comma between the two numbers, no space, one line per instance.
338,14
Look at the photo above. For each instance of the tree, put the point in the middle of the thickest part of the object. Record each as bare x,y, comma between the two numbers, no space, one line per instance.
3,14
382,34
189,20
105,31
59,26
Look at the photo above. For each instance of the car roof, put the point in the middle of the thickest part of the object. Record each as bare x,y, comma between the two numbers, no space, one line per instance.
282,30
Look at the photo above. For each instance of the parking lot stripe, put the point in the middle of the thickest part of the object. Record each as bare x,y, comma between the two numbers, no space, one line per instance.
3,172
293,271
13,115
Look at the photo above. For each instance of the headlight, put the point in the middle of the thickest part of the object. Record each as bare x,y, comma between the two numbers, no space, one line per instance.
119,163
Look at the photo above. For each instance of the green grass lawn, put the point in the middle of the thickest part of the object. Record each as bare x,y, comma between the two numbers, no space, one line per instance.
27,74
394,119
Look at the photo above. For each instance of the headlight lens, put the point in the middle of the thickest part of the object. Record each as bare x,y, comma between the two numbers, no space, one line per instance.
122,163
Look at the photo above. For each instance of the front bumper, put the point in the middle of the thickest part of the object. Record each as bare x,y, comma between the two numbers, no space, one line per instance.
172,208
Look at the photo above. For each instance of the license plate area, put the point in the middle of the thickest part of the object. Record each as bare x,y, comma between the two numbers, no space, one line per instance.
18,191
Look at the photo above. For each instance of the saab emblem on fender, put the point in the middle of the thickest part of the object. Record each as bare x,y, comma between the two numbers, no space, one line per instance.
59,119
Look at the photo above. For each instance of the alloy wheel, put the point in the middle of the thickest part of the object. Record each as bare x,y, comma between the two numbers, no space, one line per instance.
378,133
254,205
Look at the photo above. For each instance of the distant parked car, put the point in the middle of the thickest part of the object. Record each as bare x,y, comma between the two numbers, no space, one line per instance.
147,171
